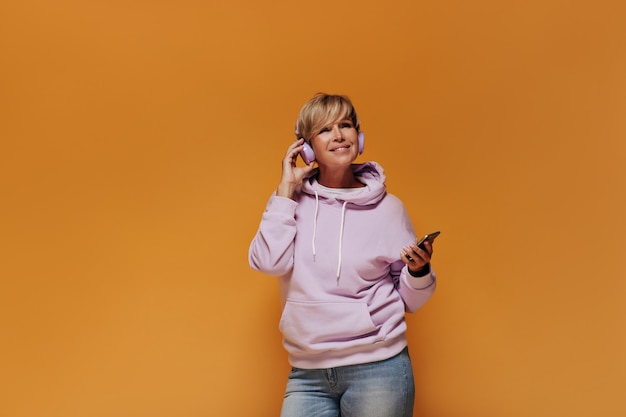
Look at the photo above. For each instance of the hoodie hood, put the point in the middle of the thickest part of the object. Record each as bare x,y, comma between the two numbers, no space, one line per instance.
370,173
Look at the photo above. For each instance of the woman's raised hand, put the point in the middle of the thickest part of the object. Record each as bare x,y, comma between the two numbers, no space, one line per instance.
292,174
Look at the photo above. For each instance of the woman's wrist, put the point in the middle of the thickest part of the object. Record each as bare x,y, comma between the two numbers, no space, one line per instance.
422,272
285,190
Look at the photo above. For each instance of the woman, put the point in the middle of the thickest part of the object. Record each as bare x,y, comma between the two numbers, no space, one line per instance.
340,245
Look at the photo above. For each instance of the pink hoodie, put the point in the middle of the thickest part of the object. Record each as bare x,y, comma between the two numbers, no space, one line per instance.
344,289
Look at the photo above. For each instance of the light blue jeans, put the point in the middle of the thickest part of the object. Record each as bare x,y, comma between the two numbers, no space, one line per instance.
377,389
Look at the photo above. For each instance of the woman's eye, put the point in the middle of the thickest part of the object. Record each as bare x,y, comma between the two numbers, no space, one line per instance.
325,129
346,125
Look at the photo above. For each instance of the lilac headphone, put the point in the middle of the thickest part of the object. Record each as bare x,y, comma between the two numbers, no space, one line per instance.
308,155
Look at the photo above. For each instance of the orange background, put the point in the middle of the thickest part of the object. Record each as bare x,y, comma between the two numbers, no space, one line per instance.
141,139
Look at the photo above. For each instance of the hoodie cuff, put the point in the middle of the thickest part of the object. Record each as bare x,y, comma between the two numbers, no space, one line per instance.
282,204
421,283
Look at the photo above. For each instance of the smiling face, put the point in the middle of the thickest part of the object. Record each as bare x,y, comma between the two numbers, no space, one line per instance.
336,144
329,124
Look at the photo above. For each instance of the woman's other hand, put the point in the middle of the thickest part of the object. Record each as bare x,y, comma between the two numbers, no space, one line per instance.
417,259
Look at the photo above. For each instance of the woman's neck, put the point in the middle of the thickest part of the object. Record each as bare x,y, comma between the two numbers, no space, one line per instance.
338,179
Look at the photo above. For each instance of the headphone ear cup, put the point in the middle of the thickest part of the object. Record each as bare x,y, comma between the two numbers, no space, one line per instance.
361,140
307,153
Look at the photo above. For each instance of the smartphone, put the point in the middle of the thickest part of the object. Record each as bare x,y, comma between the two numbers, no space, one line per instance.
430,237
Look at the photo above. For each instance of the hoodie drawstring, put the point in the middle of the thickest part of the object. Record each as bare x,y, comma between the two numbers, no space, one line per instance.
343,218
317,206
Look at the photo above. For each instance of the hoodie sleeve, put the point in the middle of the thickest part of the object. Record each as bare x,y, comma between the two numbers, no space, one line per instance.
271,250
414,291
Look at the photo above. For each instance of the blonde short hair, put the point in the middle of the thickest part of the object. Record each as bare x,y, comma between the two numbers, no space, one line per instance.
322,110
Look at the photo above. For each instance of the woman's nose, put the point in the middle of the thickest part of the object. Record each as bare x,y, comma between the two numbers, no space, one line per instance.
337,132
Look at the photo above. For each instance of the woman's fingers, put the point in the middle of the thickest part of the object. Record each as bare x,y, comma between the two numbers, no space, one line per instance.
415,256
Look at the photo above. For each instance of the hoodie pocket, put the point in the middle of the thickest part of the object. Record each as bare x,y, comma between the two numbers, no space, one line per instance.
326,325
